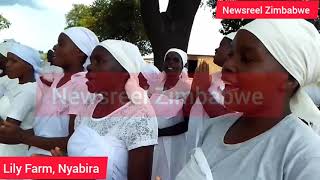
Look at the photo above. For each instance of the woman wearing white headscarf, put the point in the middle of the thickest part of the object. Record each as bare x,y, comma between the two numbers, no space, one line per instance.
267,140
167,98
24,64
84,39
118,125
53,126
5,82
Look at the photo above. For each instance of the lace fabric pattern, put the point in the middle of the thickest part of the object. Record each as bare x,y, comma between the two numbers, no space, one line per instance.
132,124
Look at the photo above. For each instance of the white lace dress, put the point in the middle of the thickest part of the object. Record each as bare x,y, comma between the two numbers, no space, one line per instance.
129,127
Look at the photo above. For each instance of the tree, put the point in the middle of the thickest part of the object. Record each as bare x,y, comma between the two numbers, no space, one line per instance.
232,25
116,19
168,29
4,23
139,22
80,15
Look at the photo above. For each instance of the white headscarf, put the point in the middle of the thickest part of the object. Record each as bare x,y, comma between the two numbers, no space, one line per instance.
29,55
129,56
184,57
84,39
150,72
295,44
5,46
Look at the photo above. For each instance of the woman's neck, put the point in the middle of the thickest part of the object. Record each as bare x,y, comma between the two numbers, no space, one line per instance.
67,73
170,82
250,126
266,115
73,69
112,100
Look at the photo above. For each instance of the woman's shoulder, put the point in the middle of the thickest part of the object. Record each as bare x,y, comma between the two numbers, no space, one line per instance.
140,127
78,78
301,136
142,116
143,110
300,146
28,88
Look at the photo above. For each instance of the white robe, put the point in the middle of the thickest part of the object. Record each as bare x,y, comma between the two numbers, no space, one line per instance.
170,153
20,104
288,151
198,116
54,121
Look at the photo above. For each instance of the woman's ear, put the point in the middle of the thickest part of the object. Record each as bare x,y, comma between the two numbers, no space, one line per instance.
292,86
289,86
81,55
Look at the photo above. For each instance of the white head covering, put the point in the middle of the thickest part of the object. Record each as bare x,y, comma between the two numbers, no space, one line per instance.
150,72
128,55
231,35
29,55
84,39
184,57
5,46
295,44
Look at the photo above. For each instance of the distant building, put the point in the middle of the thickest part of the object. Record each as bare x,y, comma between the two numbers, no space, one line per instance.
194,59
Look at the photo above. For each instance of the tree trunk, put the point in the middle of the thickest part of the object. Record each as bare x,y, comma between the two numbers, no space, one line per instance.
170,29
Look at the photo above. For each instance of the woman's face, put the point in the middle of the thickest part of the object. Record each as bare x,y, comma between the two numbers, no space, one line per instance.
173,64
254,80
64,52
222,52
16,67
105,73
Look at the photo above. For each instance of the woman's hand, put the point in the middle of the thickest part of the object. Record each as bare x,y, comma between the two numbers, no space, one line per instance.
10,131
202,79
57,152
40,155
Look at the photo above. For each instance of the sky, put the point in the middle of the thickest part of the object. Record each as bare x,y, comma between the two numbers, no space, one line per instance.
38,23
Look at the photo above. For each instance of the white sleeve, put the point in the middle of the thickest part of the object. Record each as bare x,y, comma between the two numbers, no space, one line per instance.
307,169
141,130
3,84
21,105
